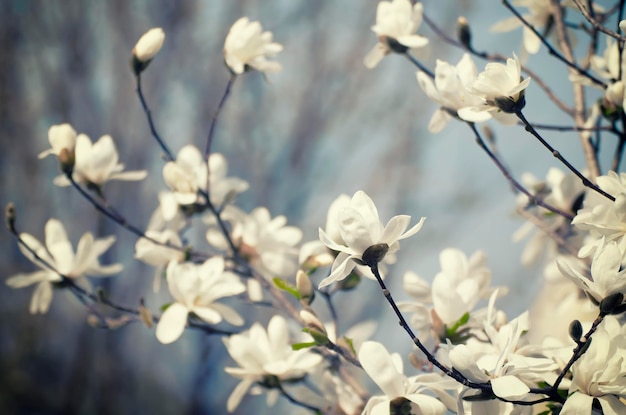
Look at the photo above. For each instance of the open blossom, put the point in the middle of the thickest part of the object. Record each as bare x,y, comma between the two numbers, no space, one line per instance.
502,361
97,163
59,254
599,373
396,24
502,89
190,173
196,288
149,44
359,229
266,357
607,277
247,46
61,137
451,89
400,391
267,243
460,285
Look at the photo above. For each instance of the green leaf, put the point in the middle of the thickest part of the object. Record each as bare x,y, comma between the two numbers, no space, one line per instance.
300,346
450,331
285,286
166,306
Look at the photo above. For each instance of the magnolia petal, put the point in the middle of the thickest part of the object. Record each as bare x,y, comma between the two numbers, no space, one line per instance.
229,314
377,362
374,56
577,404
415,229
42,297
438,121
394,229
208,314
24,280
343,265
172,323
412,41
476,113
464,361
426,83
237,394
129,175
509,387
59,246
612,405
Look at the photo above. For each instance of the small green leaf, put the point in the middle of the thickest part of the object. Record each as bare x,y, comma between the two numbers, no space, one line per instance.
166,306
450,331
300,346
285,286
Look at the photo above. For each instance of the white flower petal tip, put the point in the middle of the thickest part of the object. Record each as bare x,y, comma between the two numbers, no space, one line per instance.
149,44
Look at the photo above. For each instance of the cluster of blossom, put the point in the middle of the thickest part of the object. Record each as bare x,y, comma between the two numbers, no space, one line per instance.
470,357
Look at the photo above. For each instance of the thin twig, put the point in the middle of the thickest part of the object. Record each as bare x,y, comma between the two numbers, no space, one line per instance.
517,185
155,134
558,155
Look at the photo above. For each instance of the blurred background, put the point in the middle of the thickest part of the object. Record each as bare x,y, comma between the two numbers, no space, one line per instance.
323,126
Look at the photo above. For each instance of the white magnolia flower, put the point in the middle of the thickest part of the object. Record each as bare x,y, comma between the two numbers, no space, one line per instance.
190,173
247,46
502,361
605,220
396,24
360,228
61,137
267,243
159,256
59,254
607,278
452,90
460,285
502,89
266,357
149,44
196,289
599,373
97,163
400,391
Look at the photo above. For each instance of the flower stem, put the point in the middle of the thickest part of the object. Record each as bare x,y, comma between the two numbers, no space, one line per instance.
155,134
532,198
558,155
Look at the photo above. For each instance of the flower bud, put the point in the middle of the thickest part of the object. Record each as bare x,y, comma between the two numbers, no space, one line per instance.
9,216
463,33
305,288
146,48
312,321
575,330
145,315
610,303
400,406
